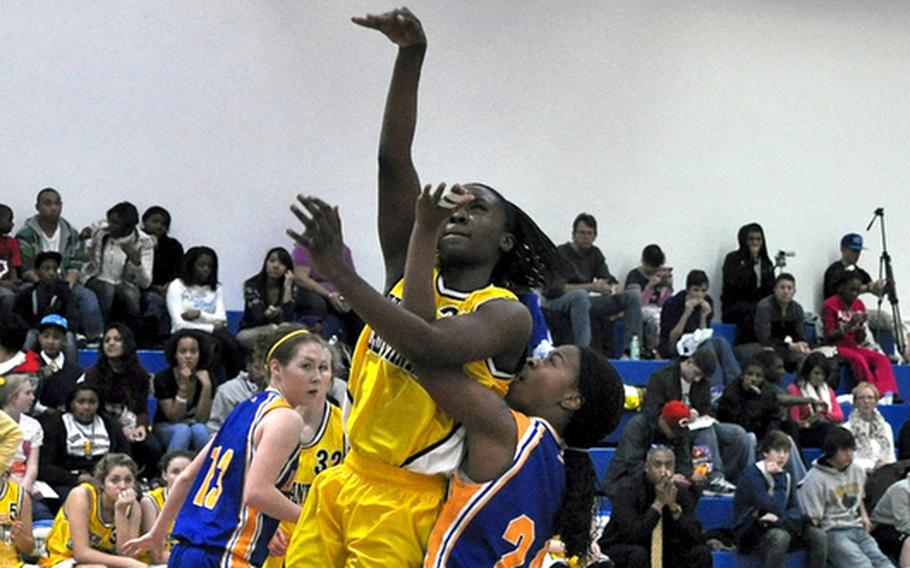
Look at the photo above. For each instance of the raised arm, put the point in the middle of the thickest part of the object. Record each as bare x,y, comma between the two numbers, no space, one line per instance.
496,327
398,181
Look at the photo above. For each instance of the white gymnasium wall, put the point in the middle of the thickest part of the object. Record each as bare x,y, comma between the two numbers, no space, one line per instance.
673,122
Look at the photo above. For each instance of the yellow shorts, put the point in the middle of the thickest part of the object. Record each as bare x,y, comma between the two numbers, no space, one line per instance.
364,513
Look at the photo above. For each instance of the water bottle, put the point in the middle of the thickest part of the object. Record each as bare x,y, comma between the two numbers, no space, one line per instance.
888,398
635,348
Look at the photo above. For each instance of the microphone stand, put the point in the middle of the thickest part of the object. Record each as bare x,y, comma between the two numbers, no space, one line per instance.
886,271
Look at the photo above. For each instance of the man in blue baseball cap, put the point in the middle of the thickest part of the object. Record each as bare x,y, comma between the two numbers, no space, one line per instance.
851,245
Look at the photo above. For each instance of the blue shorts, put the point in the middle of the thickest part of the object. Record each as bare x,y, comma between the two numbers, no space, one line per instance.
183,555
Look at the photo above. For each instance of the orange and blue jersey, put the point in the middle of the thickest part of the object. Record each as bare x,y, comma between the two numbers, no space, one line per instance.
506,521
214,517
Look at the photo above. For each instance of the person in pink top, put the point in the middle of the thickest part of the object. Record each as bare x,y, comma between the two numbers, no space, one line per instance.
816,419
844,318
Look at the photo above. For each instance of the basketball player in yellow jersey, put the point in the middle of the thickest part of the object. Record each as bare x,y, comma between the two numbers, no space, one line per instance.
322,443
97,519
171,466
378,508
16,520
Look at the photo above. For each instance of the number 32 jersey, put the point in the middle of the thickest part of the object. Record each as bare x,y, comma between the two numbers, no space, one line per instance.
507,521
214,516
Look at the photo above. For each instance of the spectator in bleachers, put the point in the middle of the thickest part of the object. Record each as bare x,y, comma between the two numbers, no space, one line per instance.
654,516
119,261
10,261
748,277
779,325
13,359
49,296
844,318
667,428
59,371
831,496
171,466
874,436
688,311
732,448
16,399
49,232
766,510
750,402
196,301
124,390
654,283
892,522
184,391
818,418
156,222
851,246
588,293
75,441
269,298
773,364
246,384
97,519
322,299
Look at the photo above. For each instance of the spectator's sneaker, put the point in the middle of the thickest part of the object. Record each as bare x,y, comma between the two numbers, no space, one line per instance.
720,487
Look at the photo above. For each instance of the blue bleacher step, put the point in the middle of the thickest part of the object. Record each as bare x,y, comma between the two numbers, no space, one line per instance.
637,372
152,360
734,560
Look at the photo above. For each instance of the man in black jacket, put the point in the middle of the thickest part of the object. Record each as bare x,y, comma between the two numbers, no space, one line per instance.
651,515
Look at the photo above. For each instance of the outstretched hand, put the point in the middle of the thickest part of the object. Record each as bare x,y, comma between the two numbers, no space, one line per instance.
321,236
400,26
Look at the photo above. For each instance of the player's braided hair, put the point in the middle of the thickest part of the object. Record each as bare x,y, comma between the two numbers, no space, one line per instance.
533,260
602,397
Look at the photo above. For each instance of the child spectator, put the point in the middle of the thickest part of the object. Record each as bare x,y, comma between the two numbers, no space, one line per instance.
750,402
892,522
831,496
16,398
98,518
815,420
268,298
13,331
120,259
654,283
74,442
748,277
184,392
196,301
59,371
16,512
10,261
874,436
322,299
766,510
844,319
49,232
247,383
688,311
156,222
124,389
172,465
49,296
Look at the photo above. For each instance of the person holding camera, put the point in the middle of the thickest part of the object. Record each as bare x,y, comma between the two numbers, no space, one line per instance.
767,516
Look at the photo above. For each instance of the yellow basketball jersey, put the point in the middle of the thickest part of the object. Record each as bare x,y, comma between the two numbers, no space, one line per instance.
158,496
392,419
327,449
11,504
101,533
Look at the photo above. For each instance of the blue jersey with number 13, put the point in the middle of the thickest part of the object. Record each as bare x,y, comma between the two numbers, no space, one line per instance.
213,515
